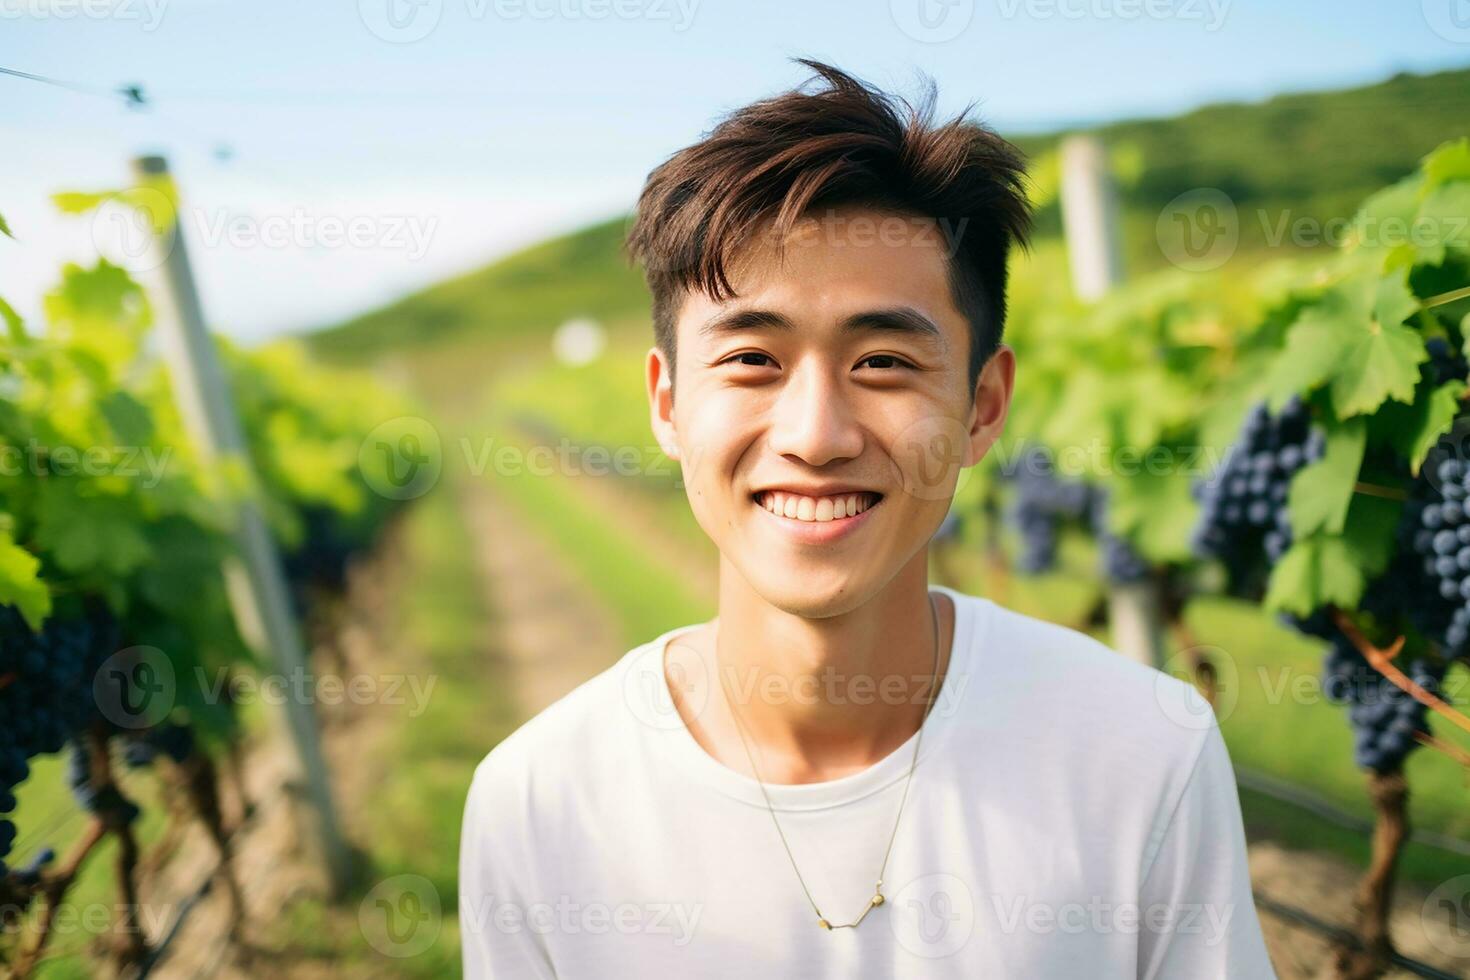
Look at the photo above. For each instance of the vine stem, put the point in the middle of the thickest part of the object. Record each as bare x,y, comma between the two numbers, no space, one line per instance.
1382,661
1448,748
53,890
1375,490
1444,298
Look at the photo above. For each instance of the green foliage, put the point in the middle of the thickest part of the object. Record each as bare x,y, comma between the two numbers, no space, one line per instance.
102,493
1357,350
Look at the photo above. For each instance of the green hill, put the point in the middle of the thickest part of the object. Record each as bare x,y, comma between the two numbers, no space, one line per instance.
1311,155
1314,155
578,274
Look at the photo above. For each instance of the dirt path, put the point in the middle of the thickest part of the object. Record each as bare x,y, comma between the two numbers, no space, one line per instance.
556,634
1323,885
274,865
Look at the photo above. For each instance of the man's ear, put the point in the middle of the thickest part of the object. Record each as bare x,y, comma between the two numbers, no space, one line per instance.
659,379
991,403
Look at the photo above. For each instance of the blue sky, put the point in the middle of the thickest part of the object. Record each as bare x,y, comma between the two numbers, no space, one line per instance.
441,133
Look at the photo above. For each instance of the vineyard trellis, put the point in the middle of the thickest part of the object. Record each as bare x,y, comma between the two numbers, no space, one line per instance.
1342,502
114,531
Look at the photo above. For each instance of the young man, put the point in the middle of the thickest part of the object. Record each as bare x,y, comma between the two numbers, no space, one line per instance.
779,792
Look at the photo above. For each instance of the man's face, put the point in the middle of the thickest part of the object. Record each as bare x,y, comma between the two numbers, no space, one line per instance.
822,416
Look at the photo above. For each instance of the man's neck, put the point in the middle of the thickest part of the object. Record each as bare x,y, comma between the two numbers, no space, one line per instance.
818,698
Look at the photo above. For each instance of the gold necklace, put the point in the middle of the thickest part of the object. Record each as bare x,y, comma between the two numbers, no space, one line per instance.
877,898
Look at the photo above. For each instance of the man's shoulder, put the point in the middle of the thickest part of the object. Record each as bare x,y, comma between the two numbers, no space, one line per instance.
1072,681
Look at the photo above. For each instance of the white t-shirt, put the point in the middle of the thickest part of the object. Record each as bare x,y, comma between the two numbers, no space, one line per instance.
1073,814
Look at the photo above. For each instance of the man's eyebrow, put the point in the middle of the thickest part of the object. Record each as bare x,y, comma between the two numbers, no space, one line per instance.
898,319
734,320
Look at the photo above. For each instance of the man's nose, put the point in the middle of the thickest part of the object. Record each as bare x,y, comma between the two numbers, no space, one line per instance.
813,418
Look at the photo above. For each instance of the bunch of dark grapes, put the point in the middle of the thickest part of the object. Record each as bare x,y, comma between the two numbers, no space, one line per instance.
1042,502
1385,719
45,693
1120,563
1045,502
321,560
1243,508
1435,533
1445,364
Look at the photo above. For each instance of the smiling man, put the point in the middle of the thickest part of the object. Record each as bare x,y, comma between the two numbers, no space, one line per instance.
849,772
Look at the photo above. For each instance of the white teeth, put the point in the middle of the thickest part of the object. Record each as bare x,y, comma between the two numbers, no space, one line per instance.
815,509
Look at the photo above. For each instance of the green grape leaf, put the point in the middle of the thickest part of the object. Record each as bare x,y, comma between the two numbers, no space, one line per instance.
128,418
1342,339
15,327
1443,223
1383,366
1371,531
1320,493
20,582
87,533
1392,208
1393,301
5,228
1314,572
80,202
1312,352
1448,161
1432,415
1155,511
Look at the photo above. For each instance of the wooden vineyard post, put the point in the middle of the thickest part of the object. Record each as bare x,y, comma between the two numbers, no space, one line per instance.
257,586
1095,255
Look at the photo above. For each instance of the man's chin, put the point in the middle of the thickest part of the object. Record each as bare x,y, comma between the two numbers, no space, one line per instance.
813,593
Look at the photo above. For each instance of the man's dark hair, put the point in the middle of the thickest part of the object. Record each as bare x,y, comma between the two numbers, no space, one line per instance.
844,144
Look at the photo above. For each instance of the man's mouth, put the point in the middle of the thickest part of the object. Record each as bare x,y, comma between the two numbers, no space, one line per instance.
816,510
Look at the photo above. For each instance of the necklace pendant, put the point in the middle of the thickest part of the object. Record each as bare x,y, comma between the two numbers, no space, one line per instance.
878,899
825,924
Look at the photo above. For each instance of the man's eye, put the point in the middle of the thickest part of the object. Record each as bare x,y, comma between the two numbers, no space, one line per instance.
749,358
884,361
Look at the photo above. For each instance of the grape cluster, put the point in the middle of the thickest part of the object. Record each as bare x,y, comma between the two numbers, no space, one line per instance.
1243,504
1120,563
1041,503
1444,363
1436,531
321,559
1385,719
45,692
1044,502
